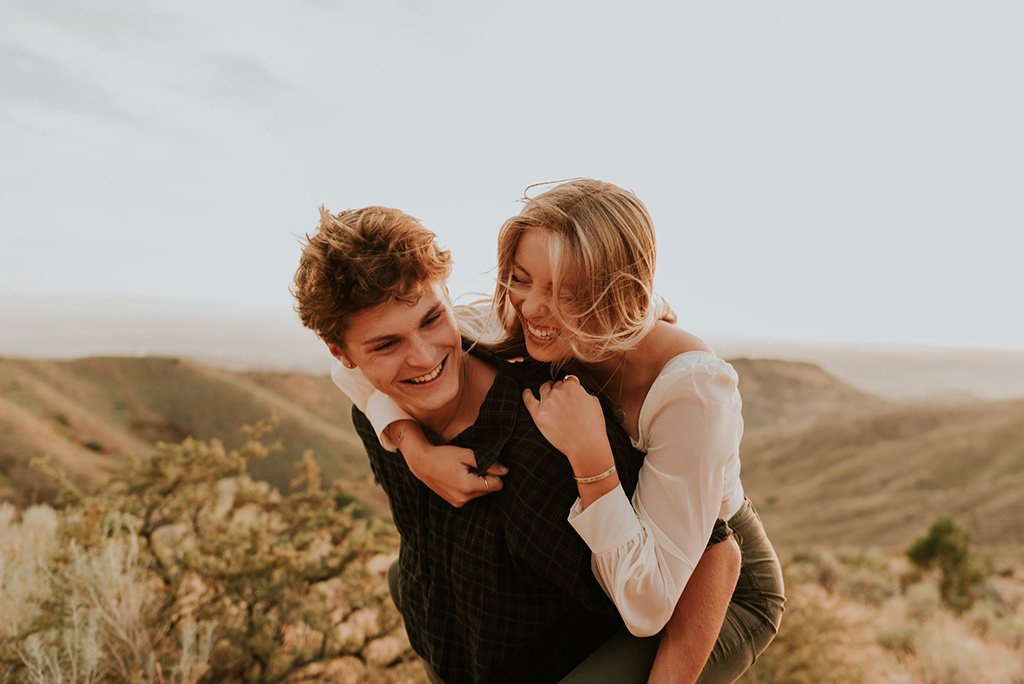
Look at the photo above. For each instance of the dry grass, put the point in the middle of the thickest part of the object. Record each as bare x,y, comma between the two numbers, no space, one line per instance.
859,615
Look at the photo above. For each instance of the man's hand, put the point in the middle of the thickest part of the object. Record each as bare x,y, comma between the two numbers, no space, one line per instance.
446,470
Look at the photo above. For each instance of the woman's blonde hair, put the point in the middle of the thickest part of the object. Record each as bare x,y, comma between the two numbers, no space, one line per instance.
604,251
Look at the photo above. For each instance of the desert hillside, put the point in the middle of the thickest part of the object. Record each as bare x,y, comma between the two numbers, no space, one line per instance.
824,461
829,464
845,481
88,415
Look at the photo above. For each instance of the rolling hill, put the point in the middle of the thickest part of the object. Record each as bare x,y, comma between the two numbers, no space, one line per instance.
825,462
90,414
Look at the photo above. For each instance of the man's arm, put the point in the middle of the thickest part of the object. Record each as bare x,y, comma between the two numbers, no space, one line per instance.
691,632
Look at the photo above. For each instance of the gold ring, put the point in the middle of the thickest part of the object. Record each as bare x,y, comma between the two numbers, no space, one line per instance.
569,377
487,485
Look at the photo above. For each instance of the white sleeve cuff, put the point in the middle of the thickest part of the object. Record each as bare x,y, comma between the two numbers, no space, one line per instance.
381,410
606,524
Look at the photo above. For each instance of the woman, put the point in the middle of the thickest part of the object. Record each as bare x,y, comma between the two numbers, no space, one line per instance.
575,288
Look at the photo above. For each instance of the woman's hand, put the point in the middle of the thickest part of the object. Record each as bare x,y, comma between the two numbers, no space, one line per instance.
572,420
446,470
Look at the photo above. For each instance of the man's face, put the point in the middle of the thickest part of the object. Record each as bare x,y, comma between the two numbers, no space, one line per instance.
410,350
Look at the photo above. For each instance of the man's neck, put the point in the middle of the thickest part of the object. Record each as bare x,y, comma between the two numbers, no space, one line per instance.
447,424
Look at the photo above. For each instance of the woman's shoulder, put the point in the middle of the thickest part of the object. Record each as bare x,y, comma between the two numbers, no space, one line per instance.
675,351
666,343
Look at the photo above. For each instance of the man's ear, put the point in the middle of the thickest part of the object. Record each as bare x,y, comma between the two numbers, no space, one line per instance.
337,353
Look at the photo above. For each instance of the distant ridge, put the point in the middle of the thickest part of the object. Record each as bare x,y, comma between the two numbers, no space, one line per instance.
273,339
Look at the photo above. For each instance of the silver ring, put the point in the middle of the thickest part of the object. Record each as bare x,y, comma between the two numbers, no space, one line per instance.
569,377
487,485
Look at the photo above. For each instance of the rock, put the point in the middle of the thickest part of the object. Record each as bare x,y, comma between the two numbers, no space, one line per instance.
387,649
350,637
249,515
369,620
379,564
344,670
298,637
169,541
226,490
335,593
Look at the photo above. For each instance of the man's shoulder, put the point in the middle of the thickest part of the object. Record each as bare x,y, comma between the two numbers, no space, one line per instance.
527,373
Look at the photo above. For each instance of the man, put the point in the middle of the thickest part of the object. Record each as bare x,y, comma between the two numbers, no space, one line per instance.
501,588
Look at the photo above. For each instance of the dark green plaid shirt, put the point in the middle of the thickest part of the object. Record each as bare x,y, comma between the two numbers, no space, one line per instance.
502,588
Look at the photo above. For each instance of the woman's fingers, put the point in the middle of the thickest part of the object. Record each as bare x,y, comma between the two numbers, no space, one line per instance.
545,390
532,403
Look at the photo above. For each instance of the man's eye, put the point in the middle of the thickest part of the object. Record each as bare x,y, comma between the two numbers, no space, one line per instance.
384,346
431,320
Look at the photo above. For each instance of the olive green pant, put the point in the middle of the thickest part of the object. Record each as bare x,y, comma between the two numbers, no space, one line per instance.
751,622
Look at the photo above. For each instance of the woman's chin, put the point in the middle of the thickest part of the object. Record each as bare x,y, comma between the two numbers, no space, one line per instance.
547,352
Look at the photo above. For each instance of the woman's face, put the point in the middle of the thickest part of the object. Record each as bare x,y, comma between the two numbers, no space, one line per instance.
530,292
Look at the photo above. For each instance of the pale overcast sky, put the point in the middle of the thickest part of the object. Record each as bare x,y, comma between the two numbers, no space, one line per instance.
817,171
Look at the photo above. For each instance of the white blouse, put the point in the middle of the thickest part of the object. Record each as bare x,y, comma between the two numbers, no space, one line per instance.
645,551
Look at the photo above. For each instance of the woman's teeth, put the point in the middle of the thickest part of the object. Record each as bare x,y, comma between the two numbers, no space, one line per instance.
542,333
428,376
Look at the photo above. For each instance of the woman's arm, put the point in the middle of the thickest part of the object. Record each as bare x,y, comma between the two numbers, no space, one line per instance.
446,470
645,551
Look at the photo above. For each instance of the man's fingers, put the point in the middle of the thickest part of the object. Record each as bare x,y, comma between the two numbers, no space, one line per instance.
477,486
489,484
497,470
465,456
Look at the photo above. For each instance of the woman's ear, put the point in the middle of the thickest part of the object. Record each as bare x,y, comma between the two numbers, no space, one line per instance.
337,353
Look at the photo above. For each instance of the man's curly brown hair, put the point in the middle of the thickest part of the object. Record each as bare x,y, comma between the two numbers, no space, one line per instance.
360,258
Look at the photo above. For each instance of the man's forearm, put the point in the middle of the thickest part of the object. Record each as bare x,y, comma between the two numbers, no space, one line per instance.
691,632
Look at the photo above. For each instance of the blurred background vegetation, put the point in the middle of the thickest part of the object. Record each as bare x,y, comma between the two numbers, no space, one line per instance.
900,526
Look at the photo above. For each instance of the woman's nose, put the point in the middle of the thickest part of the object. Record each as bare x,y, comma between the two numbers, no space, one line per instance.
536,305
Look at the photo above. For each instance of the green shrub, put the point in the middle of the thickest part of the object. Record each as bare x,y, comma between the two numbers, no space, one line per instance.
946,547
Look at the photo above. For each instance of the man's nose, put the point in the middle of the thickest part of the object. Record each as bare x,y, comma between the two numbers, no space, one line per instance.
421,353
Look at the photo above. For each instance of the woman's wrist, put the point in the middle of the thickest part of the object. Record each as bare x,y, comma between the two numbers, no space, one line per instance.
408,437
596,463
591,479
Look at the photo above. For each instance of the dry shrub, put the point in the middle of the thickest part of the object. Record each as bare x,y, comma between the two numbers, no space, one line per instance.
869,585
922,600
997,623
184,569
819,566
812,645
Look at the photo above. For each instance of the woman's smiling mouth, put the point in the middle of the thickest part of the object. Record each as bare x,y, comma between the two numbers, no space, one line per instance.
542,333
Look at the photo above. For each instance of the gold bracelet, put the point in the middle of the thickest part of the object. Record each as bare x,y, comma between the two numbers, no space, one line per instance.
594,478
